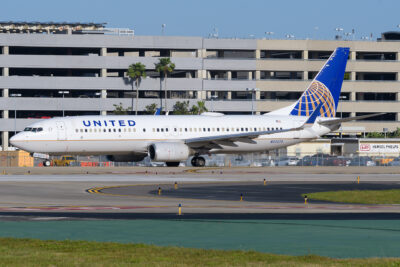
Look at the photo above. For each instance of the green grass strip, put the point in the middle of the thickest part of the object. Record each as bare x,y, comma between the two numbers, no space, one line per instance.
359,196
32,252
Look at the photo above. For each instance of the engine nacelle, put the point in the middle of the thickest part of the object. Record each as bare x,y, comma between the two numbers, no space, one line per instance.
169,152
126,158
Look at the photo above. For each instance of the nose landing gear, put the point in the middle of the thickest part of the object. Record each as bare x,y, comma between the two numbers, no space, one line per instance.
198,161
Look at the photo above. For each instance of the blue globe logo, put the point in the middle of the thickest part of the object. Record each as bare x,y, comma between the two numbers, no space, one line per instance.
311,98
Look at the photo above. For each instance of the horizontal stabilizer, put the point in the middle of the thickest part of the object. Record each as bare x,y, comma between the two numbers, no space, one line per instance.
338,121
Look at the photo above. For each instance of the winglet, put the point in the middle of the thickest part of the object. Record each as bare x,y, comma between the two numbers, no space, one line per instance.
158,111
315,114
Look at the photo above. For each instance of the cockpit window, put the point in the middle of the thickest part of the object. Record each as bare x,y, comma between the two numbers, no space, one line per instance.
30,129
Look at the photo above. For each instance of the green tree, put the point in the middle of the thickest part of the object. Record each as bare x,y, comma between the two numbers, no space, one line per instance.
120,110
164,67
395,133
375,135
199,108
151,109
136,72
181,108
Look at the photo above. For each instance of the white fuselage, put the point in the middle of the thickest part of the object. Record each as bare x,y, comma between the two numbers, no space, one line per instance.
106,135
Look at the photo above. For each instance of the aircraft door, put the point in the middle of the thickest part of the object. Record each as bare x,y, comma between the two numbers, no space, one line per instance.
61,131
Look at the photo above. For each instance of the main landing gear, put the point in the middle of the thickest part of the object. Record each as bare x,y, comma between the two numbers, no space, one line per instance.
198,161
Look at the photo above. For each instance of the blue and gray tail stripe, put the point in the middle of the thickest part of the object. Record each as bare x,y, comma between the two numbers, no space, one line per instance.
325,87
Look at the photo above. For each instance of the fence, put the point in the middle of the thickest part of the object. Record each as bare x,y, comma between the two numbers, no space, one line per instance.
252,160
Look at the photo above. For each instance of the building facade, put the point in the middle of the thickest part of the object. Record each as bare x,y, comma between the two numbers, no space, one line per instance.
67,72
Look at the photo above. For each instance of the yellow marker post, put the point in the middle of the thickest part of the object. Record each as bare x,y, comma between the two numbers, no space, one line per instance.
180,209
358,179
265,181
176,185
159,191
241,197
305,199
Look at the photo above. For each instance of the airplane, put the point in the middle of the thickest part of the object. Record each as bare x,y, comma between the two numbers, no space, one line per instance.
172,139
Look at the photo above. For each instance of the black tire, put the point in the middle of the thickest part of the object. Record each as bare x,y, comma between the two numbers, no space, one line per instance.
46,163
172,164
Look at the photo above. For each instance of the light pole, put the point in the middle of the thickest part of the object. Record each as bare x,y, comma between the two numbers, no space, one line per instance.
269,34
15,112
212,102
98,94
339,32
163,28
253,91
63,93
342,97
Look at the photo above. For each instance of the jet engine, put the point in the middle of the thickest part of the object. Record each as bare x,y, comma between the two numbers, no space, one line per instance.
169,152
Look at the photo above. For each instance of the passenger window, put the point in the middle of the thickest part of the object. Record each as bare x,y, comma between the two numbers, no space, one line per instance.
190,129
175,129
162,129
144,130
255,129
90,130
81,130
204,129
180,129
104,130
119,129
115,130
185,129
124,129
217,129
227,129
76,130
166,129
109,130
209,129
158,129
247,129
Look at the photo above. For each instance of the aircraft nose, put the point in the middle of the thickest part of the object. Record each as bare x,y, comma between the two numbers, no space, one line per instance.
14,139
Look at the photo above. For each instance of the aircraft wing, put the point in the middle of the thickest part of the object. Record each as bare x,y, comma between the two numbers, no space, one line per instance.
338,121
209,142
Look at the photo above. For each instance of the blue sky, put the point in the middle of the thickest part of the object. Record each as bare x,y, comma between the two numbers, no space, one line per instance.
316,19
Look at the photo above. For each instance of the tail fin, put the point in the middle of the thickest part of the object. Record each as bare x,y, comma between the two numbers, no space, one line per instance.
325,87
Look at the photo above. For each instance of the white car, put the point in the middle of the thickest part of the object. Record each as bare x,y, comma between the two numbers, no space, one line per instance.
287,161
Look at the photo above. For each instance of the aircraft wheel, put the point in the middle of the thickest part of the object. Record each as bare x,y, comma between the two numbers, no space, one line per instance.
46,163
172,164
198,162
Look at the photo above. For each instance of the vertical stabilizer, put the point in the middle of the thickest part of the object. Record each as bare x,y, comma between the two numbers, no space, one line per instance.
325,88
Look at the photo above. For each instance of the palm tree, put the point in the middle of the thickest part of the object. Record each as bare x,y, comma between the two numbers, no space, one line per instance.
164,66
136,72
199,108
